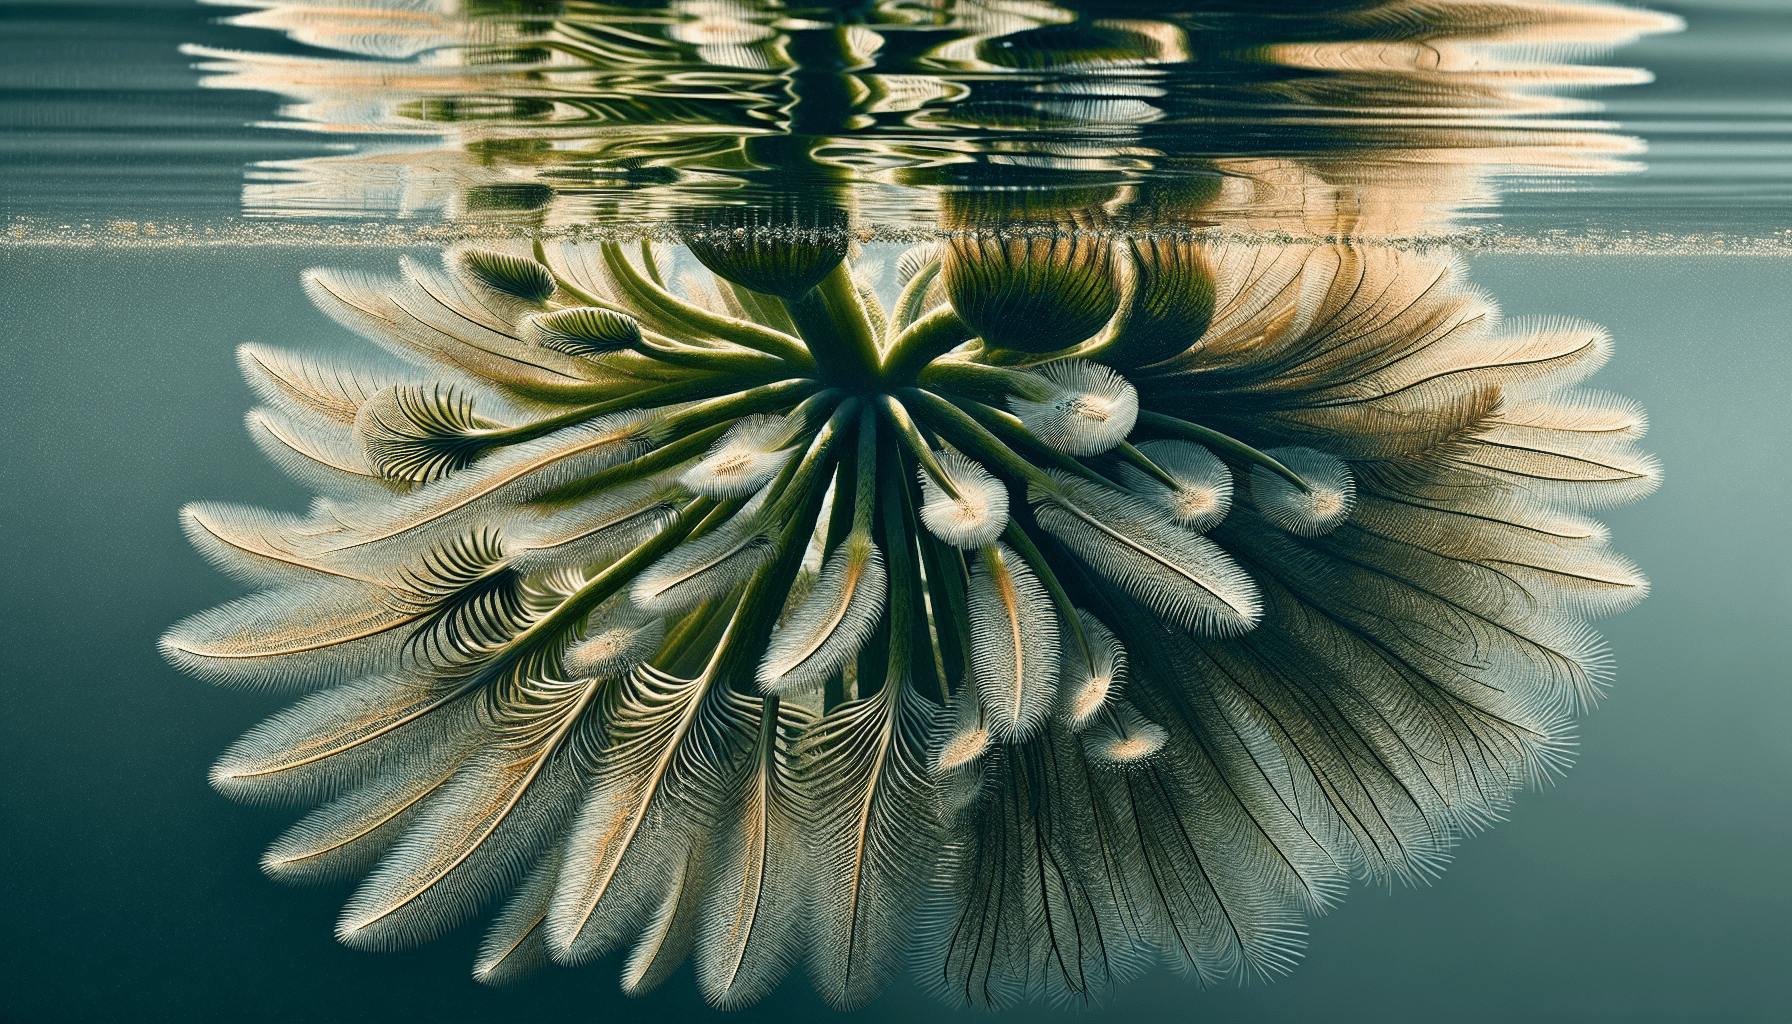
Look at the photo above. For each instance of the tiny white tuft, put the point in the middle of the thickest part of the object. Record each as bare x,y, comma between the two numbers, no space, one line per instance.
1086,685
962,747
1123,738
973,519
618,645
1203,492
1306,513
1090,408
742,460
969,739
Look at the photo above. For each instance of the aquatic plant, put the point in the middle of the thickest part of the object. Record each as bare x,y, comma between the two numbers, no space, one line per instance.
575,113
1096,600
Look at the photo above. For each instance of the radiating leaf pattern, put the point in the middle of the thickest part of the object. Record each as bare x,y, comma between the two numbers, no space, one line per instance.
681,605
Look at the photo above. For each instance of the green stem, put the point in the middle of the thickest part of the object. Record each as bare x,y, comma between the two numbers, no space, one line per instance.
704,628
858,477
666,394
934,335
652,265
1134,457
738,364
911,438
864,505
984,381
971,436
541,257
946,582
791,489
905,587
660,459
1170,426
895,529
558,623
908,304
1011,429
678,638
763,599
678,313
834,326
765,398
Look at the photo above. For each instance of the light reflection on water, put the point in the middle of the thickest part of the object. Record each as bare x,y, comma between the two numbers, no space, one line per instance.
612,114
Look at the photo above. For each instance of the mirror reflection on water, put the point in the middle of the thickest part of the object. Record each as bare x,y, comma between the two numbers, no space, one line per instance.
816,507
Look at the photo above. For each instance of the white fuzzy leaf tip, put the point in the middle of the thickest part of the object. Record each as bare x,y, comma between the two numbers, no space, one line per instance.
1123,739
1203,492
621,643
977,516
1306,513
1088,684
1090,408
742,460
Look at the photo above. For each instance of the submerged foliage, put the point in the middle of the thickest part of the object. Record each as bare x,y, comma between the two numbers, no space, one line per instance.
987,633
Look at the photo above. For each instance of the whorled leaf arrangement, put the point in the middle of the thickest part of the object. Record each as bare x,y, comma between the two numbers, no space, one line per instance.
987,633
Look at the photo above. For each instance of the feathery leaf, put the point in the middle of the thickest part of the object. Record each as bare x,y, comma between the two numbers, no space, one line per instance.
832,623
1014,643
871,812
1181,576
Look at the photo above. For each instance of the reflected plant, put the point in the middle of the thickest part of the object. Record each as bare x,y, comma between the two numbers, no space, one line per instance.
1096,599
624,112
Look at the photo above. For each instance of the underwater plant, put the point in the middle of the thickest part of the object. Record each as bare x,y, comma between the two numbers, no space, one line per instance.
1098,600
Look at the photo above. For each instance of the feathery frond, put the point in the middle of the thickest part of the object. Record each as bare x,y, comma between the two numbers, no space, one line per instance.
753,925
835,619
647,809
583,331
1122,739
704,569
513,275
871,808
1180,575
417,435
1013,643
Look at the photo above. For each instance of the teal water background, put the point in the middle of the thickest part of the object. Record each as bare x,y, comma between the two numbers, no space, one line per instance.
1648,885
